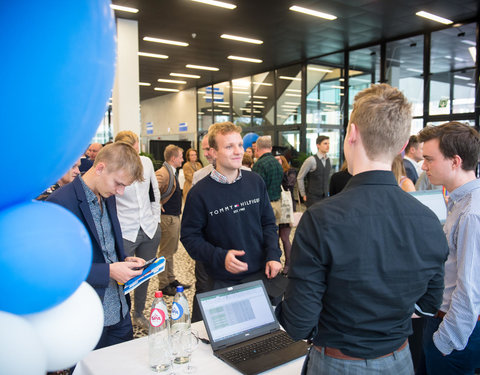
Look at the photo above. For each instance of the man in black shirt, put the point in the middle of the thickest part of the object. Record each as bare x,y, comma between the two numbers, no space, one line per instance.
366,259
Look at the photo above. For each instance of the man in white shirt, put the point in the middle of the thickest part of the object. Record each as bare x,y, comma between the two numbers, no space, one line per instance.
317,170
413,154
139,218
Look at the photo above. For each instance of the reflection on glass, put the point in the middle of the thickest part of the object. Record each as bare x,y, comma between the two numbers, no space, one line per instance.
405,69
452,64
242,109
289,139
417,125
204,105
263,100
325,89
289,93
221,102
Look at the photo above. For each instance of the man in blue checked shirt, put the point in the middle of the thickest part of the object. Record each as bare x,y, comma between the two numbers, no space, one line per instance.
452,337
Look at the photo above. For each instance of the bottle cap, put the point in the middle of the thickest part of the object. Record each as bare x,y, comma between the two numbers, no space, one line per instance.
179,289
158,294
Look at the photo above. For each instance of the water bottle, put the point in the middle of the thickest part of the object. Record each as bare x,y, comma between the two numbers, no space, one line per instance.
180,321
159,335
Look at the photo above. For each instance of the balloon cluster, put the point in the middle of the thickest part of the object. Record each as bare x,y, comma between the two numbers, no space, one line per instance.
59,60
248,139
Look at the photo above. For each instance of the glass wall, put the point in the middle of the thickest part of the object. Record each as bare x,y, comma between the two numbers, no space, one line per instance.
452,68
204,106
404,69
272,102
289,93
221,102
263,99
242,106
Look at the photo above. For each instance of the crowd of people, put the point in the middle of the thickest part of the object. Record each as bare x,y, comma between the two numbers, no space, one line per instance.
366,259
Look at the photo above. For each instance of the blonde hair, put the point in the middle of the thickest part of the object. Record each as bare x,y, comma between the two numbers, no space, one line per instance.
383,117
121,155
171,151
398,168
127,136
221,128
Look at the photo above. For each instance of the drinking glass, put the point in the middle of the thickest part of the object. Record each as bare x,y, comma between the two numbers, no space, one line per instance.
189,344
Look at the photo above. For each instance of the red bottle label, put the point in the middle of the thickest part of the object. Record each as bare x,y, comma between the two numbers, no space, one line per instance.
157,317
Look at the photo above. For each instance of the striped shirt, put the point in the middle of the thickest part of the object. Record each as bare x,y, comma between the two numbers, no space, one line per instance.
461,297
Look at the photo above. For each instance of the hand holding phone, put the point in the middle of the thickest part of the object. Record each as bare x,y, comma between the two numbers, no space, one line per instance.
147,263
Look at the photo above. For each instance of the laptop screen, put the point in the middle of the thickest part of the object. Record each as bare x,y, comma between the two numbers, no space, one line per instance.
237,313
434,200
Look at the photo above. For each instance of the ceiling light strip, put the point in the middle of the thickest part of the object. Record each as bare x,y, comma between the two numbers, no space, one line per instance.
434,17
201,67
312,12
123,9
216,3
171,81
165,41
241,39
185,75
165,89
247,59
156,55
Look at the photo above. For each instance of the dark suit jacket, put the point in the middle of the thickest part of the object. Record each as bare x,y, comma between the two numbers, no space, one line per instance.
411,170
73,198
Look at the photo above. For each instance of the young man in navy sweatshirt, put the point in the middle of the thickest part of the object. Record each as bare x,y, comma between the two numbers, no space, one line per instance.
228,222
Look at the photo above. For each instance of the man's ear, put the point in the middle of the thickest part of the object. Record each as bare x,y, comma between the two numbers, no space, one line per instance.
352,133
457,162
99,168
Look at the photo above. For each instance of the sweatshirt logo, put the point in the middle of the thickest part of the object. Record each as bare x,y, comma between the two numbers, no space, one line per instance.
234,208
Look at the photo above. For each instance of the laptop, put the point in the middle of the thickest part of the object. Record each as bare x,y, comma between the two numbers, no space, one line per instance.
434,200
244,331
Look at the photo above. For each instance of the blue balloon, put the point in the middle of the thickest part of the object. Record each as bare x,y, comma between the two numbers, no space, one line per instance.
248,139
59,63
45,254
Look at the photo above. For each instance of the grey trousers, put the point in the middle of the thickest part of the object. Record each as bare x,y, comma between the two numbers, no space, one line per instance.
145,248
168,247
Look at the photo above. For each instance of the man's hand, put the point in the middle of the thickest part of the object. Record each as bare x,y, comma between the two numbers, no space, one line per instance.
140,261
232,264
304,198
121,272
272,268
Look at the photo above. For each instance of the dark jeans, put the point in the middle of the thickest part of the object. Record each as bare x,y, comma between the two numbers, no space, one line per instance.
116,334
461,362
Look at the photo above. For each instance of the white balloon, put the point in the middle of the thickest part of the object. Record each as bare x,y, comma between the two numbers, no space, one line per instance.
71,329
21,350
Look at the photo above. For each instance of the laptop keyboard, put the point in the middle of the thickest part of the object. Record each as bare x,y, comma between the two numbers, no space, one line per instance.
275,341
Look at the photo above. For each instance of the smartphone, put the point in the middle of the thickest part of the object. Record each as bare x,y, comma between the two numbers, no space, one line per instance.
147,263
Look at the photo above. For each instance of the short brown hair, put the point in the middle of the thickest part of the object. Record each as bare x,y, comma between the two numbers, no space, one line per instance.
221,128
171,151
321,138
455,138
247,160
384,119
127,136
412,142
121,155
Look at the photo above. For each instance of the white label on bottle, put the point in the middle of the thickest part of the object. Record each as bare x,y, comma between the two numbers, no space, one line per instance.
177,311
157,317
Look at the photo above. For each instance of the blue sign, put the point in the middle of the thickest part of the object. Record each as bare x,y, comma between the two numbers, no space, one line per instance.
183,127
149,127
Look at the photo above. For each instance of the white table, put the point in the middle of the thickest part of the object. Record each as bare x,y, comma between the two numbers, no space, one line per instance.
131,358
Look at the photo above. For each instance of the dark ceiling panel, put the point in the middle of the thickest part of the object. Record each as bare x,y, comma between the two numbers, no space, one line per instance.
289,37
